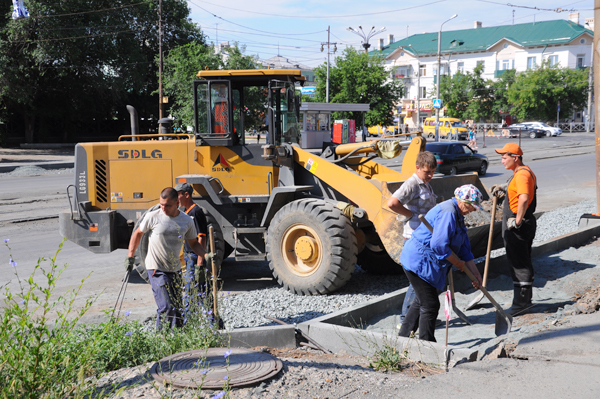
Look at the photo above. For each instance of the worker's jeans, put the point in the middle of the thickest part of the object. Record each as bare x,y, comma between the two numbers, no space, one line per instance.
423,311
409,298
166,288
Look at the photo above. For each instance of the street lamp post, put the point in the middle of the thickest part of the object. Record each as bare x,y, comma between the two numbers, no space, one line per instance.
418,87
366,37
439,55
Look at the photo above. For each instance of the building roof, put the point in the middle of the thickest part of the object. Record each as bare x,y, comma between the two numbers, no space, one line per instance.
481,39
279,62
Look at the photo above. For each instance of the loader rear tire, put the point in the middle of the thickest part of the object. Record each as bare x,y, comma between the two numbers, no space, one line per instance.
374,259
311,247
220,244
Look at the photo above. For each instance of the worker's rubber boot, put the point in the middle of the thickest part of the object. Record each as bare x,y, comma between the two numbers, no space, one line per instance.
521,300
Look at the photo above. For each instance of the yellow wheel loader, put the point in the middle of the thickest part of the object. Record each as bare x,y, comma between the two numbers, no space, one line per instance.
310,215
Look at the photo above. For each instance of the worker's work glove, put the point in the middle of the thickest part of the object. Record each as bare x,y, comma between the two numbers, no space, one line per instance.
129,261
499,190
209,257
511,223
404,219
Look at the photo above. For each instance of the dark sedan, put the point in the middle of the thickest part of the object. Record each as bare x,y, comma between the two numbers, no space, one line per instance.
453,158
526,130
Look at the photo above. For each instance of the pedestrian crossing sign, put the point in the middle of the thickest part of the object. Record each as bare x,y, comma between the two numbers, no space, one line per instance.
437,103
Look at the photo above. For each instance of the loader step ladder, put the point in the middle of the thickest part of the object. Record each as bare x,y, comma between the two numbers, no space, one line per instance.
250,238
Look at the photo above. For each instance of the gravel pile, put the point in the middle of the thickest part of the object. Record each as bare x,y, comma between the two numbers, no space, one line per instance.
31,170
250,308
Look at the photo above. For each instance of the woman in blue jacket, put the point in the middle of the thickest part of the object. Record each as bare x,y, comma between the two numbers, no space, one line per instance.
427,258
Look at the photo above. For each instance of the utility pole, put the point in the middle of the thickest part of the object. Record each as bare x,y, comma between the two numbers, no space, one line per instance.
160,63
588,121
439,56
596,102
328,43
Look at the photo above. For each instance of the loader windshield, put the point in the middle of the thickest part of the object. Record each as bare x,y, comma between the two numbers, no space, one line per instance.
227,104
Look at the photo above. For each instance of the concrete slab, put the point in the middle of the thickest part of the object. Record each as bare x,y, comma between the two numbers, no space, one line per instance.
575,341
367,343
271,336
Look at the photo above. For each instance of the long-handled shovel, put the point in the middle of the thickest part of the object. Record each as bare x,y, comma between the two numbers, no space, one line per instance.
487,256
503,320
211,236
456,310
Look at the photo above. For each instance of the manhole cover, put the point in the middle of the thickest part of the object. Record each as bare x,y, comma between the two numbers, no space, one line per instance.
208,368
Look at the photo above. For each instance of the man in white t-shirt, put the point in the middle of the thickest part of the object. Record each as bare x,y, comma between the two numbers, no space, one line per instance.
167,228
414,197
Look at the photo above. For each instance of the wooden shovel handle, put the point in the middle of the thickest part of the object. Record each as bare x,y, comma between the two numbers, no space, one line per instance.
490,238
211,235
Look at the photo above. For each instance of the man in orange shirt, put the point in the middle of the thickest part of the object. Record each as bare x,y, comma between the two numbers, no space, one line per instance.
518,224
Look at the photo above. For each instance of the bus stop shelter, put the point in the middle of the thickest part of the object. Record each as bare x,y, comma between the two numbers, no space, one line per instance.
316,121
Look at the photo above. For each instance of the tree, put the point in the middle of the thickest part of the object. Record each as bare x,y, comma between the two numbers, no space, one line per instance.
358,78
536,93
467,95
74,62
499,89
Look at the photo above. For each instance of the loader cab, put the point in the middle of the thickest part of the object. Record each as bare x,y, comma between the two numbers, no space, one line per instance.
227,103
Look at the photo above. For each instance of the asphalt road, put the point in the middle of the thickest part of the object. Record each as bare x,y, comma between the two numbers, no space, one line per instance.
30,205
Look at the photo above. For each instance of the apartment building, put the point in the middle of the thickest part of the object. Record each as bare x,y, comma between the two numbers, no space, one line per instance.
498,48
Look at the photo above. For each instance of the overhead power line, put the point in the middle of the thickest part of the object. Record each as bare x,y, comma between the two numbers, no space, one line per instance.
90,11
318,16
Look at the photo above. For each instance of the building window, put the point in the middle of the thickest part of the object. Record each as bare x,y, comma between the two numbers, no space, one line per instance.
401,72
530,62
422,92
482,63
553,59
460,67
580,60
423,70
582,41
505,64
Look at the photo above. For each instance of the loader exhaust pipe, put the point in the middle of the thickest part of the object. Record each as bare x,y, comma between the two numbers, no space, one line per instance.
133,117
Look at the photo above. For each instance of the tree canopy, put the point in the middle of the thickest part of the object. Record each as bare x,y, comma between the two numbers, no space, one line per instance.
536,93
532,94
357,78
74,65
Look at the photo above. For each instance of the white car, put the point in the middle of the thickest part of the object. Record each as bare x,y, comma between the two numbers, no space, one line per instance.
550,131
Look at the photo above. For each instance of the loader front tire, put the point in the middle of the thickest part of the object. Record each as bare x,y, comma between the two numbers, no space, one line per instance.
311,247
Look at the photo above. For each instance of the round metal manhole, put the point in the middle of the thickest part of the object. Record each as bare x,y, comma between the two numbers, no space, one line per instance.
209,368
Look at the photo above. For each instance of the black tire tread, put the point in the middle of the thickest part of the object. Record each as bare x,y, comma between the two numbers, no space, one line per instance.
340,235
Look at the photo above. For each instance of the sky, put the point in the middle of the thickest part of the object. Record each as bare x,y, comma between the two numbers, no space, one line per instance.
296,29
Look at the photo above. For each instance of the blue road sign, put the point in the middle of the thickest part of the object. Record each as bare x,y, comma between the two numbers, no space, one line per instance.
437,103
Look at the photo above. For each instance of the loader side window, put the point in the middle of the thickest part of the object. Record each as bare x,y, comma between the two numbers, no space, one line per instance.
219,98
202,116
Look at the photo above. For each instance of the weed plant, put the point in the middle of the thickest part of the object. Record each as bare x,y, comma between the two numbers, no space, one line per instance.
45,353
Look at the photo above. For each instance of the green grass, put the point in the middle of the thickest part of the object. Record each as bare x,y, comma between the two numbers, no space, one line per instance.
46,353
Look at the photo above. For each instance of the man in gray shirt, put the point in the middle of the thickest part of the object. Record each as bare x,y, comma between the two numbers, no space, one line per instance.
414,197
167,228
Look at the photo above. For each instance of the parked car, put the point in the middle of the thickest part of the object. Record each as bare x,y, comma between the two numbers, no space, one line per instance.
550,131
454,157
532,132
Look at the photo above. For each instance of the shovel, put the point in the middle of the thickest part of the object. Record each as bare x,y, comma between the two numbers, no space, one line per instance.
454,308
503,320
487,256
211,236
